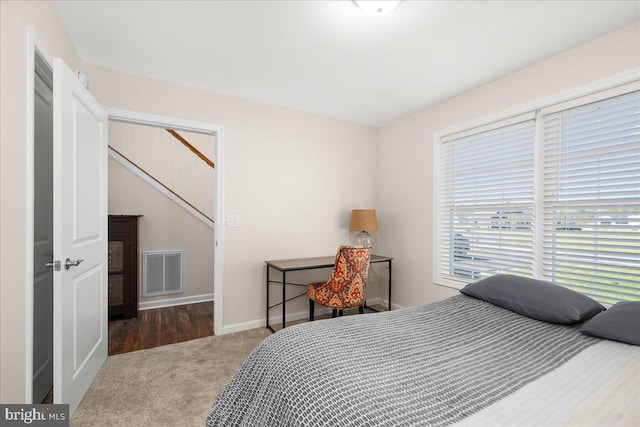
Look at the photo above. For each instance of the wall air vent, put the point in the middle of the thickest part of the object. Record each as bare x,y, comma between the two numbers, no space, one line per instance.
162,273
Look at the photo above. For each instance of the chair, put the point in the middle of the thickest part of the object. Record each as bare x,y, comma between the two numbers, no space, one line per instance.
346,286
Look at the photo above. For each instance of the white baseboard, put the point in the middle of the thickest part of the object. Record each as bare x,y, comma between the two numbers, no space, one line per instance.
273,320
147,305
384,303
377,301
261,323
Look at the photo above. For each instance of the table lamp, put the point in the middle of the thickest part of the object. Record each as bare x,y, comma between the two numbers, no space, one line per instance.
363,220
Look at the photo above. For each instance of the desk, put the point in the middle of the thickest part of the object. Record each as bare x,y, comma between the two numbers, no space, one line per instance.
297,264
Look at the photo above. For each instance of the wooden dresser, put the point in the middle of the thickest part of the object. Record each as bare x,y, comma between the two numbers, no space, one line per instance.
123,265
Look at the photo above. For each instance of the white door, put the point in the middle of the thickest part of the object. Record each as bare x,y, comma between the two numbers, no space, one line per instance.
79,236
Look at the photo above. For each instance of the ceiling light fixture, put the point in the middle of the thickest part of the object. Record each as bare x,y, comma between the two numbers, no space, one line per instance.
376,7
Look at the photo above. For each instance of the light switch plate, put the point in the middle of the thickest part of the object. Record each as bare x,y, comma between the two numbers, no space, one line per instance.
233,221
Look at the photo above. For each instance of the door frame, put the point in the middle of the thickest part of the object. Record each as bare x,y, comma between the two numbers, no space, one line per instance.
136,118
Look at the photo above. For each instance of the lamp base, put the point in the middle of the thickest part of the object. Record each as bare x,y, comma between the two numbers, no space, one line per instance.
363,239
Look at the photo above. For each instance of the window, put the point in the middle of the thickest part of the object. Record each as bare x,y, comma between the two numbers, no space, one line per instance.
487,201
554,194
591,230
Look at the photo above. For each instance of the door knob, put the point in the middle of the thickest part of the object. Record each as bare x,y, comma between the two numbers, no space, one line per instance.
68,263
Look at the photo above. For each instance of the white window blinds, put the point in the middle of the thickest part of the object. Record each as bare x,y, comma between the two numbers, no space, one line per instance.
486,193
555,195
591,198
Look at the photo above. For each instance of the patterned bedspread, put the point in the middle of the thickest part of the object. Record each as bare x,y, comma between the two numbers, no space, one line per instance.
432,365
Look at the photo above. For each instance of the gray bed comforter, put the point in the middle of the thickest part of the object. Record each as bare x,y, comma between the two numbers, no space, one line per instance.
431,365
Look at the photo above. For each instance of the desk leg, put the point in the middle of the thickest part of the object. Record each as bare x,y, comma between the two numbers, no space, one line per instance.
267,296
389,285
284,295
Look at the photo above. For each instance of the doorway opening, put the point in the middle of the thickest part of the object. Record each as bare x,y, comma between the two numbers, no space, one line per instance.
205,208
161,209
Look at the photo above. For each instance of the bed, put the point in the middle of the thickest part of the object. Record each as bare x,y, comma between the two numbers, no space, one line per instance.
462,361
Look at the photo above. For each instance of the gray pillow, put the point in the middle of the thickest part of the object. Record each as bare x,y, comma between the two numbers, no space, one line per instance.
533,298
619,323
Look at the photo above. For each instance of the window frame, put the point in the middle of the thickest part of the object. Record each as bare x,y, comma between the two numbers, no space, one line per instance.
615,86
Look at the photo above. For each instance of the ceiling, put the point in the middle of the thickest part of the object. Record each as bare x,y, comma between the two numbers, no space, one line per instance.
327,57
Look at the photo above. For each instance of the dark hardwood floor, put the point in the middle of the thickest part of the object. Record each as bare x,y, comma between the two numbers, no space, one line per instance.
161,326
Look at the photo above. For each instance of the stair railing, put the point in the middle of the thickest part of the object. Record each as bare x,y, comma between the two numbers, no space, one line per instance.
193,149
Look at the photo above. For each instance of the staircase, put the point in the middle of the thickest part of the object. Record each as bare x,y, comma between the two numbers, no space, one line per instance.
175,163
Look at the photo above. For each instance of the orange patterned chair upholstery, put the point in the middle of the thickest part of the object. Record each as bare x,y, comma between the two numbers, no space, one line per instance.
346,286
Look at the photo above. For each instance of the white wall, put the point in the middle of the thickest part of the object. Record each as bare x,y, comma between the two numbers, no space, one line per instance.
406,150
164,226
292,177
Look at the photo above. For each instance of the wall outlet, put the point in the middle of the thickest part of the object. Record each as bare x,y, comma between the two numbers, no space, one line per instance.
233,221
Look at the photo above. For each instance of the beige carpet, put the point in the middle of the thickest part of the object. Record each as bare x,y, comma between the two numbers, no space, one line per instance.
173,385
